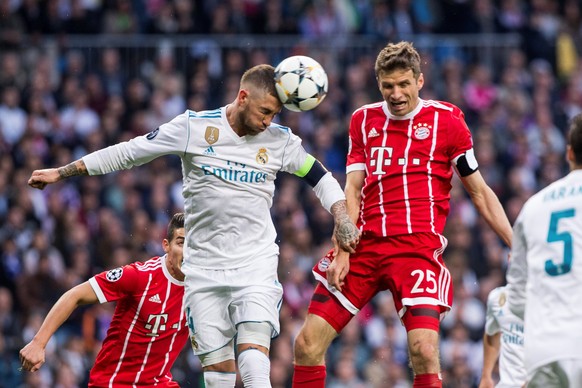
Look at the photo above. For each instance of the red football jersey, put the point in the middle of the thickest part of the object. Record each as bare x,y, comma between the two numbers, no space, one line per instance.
408,163
148,329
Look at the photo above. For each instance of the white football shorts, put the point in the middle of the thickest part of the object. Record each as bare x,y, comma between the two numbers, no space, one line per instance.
216,301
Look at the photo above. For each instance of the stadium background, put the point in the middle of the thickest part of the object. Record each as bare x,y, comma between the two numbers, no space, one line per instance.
77,75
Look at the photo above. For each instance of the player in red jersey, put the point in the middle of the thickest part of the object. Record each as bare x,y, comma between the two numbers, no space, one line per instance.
401,157
148,329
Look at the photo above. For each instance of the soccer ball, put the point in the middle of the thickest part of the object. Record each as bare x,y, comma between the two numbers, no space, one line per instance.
301,83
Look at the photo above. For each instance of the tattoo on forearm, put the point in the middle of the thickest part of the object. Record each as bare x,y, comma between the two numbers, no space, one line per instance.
345,231
338,208
72,169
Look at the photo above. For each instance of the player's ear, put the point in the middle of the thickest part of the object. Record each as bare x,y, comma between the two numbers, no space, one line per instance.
243,96
420,81
166,245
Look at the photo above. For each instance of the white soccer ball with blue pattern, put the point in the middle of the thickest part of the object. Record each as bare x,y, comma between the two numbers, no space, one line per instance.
301,83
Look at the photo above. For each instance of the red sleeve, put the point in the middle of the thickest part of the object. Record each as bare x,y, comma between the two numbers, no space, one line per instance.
460,140
116,283
356,149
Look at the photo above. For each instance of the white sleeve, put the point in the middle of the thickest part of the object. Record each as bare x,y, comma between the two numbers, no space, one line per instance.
169,138
517,271
491,324
329,191
97,289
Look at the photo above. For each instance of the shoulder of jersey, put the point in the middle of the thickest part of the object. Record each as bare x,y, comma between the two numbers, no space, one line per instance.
444,105
205,114
278,129
374,105
535,202
153,264
551,187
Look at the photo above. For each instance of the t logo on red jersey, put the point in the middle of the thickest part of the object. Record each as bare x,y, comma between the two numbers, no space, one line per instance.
381,156
158,324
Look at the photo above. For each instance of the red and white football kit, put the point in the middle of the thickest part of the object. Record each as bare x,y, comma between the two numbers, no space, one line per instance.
148,329
408,164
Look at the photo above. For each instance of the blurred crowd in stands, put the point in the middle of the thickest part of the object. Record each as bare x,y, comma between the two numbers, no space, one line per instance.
56,108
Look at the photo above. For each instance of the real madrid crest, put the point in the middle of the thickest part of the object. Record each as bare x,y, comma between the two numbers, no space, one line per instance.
262,157
211,135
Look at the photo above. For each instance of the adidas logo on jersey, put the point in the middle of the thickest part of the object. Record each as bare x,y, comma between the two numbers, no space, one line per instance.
209,151
373,133
155,299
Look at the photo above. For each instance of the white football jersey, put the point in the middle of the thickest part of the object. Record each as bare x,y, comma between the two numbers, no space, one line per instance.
545,272
501,320
228,182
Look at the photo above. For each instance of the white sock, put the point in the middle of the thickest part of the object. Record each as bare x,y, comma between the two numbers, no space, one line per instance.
219,379
254,367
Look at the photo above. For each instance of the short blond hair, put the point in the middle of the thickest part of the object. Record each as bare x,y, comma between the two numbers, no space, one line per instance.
398,56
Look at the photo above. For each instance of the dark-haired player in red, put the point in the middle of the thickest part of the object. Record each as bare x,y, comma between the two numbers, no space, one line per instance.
148,329
402,152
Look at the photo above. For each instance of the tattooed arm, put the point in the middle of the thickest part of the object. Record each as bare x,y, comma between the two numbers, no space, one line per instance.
346,235
340,266
40,178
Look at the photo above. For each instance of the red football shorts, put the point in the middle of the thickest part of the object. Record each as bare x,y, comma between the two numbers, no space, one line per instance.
410,266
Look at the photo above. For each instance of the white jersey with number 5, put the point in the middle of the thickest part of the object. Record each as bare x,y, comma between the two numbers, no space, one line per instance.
228,187
545,272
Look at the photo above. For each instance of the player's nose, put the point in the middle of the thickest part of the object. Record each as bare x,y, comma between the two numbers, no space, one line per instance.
267,121
396,93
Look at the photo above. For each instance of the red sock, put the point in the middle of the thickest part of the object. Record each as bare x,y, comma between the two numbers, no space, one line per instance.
309,376
428,380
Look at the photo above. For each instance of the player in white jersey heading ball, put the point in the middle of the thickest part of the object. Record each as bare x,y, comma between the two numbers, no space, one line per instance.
545,275
503,341
230,159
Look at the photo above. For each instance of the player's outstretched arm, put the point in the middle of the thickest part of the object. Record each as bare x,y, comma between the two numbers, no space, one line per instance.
32,356
40,178
488,205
